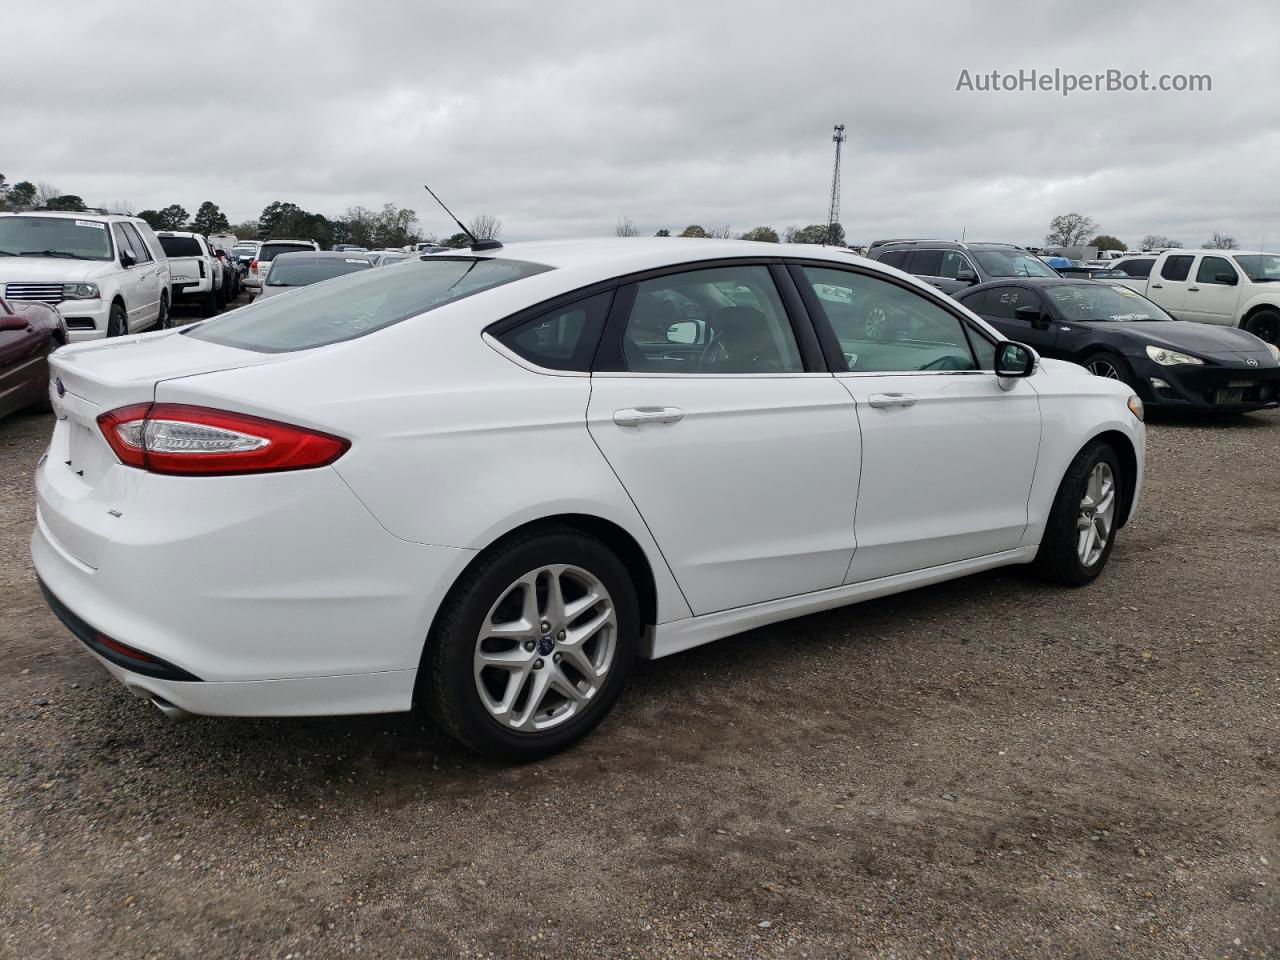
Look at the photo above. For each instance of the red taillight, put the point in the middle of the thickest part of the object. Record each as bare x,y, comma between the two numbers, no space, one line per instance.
177,438
254,266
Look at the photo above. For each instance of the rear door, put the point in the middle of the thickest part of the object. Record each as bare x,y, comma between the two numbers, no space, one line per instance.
948,451
738,449
1168,287
1213,295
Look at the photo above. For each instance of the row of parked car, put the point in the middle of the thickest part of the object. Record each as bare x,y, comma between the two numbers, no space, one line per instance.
71,276
1192,329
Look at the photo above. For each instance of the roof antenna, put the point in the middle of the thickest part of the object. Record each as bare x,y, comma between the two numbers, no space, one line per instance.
488,244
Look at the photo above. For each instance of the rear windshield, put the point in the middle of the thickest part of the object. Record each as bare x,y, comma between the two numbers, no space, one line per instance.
57,237
181,246
358,304
269,251
240,251
300,273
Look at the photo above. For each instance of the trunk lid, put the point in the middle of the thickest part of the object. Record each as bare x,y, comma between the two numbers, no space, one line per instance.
184,268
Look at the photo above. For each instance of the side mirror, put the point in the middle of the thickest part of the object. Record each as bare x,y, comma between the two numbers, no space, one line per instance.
1032,315
1014,360
1229,279
685,331
13,321
966,276
127,259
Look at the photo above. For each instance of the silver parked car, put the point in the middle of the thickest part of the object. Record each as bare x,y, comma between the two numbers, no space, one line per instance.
289,270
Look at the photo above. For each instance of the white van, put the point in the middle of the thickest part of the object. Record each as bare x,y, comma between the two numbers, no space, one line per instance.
105,273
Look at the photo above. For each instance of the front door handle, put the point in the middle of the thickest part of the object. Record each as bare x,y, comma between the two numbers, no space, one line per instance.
635,416
1157,286
881,400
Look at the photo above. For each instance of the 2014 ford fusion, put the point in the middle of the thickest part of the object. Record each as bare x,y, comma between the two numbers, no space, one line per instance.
486,481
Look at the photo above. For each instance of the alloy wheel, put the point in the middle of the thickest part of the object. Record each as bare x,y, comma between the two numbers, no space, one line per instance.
1097,514
546,648
1105,369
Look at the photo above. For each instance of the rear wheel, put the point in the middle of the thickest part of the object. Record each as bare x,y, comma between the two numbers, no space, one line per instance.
163,320
117,321
1265,325
209,303
1082,524
533,645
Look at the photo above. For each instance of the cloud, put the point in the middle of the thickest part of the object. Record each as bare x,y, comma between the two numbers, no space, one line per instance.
560,117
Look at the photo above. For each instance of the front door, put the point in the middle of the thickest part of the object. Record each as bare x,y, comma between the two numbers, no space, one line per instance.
1213,296
742,459
948,450
1034,327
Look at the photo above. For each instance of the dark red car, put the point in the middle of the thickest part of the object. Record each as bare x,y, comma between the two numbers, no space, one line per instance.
29,332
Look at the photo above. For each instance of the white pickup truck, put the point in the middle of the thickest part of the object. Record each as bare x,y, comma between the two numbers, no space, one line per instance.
1235,288
197,273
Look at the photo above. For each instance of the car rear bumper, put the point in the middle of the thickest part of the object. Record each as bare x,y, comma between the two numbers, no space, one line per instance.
270,595
1210,387
185,287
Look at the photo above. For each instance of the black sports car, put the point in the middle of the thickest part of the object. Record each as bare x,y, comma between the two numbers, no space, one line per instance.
1118,333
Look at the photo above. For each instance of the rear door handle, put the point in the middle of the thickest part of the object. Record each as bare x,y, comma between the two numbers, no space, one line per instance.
1193,289
881,400
635,416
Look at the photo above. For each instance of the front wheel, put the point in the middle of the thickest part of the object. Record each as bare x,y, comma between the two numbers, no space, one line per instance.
1082,523
163,320
117,321
533,645
1265,325
1108,365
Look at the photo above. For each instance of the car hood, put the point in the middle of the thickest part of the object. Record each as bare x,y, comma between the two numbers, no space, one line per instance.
52,269
1225,344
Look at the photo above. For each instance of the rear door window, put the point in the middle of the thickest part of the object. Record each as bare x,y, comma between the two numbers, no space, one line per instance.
1137,268
895,258
359,304
1176,268
926,263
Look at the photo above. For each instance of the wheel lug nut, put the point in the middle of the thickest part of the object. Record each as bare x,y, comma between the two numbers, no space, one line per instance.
556,658
560,635
546,627
538,664
529,645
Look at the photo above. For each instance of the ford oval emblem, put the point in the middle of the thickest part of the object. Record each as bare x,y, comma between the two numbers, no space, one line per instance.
62,390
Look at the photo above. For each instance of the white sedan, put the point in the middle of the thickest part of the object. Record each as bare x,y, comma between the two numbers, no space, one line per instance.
486,481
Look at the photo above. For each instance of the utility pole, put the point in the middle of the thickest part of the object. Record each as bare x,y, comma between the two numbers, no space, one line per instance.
833,215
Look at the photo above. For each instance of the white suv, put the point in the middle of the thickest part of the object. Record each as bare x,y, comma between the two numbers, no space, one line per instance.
106,274
267,251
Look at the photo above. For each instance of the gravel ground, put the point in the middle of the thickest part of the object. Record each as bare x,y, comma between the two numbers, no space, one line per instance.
990,767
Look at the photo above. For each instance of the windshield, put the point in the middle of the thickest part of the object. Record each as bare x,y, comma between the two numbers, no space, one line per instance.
358,304
1013,263
1103,303
181,246
290,272
62,237
1261,267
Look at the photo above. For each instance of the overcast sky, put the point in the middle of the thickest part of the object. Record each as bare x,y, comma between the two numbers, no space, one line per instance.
561,117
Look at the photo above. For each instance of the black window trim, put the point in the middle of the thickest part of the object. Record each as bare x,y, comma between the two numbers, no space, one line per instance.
608,360
831,343
492,334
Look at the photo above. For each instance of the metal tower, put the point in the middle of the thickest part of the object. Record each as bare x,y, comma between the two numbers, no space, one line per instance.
833,215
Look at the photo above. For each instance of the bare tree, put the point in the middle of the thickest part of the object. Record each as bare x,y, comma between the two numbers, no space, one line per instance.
1220,241
1158,241
46,192
1070,230
720,233
625,228
485,226
761,234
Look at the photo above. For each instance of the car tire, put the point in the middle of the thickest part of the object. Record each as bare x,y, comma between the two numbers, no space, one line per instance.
209,303
1108,365
543,679
163,320
1265,325
1090,493
117,321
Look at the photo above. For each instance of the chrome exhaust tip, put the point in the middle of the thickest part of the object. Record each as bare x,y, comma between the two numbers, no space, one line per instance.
170,710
